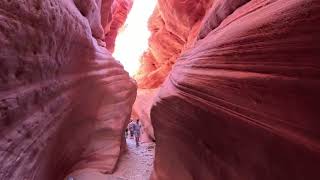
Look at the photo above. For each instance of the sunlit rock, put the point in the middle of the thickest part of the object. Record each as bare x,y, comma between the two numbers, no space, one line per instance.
171,24
132,39
120,10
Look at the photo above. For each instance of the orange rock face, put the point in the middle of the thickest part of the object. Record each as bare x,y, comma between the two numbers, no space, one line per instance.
60,93
242,103
120,10
172,25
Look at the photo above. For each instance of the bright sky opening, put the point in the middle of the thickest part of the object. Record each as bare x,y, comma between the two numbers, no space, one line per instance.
132,40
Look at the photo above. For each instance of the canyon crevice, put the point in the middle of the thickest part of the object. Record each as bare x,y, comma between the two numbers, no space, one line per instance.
228,89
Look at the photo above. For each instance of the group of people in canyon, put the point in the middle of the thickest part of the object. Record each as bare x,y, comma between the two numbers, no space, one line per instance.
134,129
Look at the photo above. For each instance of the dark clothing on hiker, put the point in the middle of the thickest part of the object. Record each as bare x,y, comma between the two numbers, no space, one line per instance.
130,126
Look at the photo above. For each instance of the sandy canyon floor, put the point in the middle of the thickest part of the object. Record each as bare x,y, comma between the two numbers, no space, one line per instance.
134,164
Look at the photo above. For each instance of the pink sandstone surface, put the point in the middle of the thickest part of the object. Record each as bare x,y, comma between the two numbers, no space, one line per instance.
171,24
242,103
60,93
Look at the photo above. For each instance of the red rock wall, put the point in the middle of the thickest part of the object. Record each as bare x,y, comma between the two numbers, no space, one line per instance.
120,10
243,102
173,27
157,61
171,22
179,24
60,93
106,14
91,10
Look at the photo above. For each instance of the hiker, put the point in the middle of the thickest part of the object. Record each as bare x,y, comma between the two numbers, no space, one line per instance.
130,127
137,131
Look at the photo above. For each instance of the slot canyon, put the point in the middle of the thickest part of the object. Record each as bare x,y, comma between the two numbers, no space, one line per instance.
224,89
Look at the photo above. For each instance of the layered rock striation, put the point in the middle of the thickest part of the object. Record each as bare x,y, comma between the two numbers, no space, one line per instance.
242,101
60,93
173,25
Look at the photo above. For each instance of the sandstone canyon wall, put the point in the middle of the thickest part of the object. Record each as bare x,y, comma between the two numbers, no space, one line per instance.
242,101
173,26
170,24
60,93
120,10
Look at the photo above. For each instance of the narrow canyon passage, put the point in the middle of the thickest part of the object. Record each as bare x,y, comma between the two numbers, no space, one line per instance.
223,89
135,164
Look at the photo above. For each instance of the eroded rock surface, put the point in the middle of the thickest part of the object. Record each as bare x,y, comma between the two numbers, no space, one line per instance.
173,24
243,102
120,10
60,93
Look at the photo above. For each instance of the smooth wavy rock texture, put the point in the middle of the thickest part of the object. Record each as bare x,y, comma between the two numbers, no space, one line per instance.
243,102
175,26
64,101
